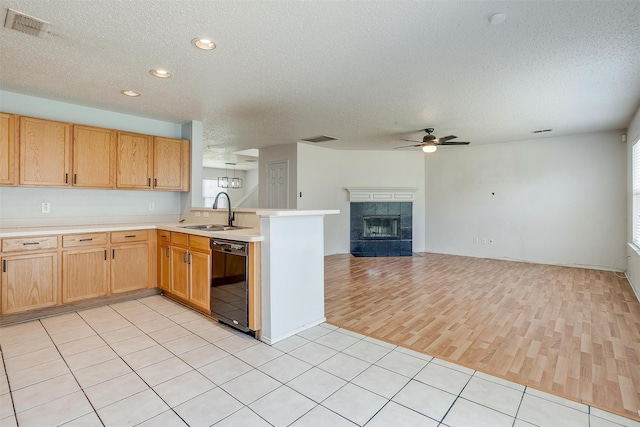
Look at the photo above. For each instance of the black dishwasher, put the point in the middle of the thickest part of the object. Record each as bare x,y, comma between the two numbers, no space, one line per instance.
229,287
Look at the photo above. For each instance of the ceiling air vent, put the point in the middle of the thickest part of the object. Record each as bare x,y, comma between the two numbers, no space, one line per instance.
321,138
26,24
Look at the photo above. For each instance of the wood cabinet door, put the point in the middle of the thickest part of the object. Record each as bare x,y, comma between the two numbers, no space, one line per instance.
134,160
164,267
200,279
168,163
85,274
7,149
45,152
94,155
29,282
179,272
129,267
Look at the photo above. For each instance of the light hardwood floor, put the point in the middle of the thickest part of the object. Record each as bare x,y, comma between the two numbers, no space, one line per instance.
573,332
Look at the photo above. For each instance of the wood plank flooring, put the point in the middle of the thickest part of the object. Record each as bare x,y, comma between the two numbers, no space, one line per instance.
573,332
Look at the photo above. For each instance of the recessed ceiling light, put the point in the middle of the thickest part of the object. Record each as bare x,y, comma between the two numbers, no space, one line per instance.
497,18
131,93
159,72
203,43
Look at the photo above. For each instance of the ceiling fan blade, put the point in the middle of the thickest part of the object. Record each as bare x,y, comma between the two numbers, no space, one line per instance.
455,143
446,138
407,146
409,140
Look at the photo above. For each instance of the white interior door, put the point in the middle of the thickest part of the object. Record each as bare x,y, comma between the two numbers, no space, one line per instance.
278,185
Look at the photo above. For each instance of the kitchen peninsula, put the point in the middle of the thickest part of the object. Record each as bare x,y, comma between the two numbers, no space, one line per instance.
291,258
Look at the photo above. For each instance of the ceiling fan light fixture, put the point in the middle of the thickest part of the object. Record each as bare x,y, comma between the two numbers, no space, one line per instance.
429,148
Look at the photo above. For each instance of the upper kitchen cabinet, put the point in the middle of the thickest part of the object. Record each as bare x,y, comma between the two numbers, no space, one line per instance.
94,157
45,152
171,165
134,155
8,149
147,162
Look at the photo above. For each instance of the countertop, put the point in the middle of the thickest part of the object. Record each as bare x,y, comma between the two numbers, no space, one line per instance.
242,235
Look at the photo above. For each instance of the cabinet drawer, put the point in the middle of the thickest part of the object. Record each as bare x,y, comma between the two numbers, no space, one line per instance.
164,236
29,244
129,236
200,243
180,239
89,239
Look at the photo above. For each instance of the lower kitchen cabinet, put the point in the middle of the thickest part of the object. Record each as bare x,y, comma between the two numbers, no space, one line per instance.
85,274
190,259
129,267
164,260
200,279
29,282
85,266
130,261
179,272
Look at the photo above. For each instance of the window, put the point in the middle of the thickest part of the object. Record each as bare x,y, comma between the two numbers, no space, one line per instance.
209,190
636,193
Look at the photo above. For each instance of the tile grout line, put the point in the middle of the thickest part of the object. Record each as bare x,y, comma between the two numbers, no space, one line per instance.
71,371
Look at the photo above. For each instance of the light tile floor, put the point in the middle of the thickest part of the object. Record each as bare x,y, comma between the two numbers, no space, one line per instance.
152,362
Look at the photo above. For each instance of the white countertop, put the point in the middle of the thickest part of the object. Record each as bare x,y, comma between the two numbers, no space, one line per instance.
243,235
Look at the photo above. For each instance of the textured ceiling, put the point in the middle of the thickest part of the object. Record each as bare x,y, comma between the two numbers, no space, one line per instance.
366,72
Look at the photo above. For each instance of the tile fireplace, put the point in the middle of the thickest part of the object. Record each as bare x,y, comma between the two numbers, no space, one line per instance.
381,229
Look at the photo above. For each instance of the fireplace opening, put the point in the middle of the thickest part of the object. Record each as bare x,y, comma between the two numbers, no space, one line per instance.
381,227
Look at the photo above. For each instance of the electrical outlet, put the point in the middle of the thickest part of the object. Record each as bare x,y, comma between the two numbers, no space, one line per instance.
484,240
152,206
475,240
46,207
205,214
197,213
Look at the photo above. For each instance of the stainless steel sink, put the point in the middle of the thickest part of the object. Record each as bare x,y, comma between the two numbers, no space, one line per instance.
213,227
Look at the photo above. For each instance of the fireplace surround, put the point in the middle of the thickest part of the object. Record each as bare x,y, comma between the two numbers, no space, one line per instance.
381,229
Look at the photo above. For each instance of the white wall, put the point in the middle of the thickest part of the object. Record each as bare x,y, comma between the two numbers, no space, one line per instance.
633,269
22,203
555,200
324,175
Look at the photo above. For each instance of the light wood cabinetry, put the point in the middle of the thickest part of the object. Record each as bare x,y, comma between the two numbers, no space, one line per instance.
146,162
134,160
85,266
130,262
8,149
179,254
45,152
43,271
171,168
94,157
164,260
200,272
191,269
39,152
29,274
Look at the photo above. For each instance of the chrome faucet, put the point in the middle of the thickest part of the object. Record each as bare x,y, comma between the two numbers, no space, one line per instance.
232,216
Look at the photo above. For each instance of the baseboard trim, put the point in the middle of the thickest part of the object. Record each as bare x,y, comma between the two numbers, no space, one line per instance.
12,319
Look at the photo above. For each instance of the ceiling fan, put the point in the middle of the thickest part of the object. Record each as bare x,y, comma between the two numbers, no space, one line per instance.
430,143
